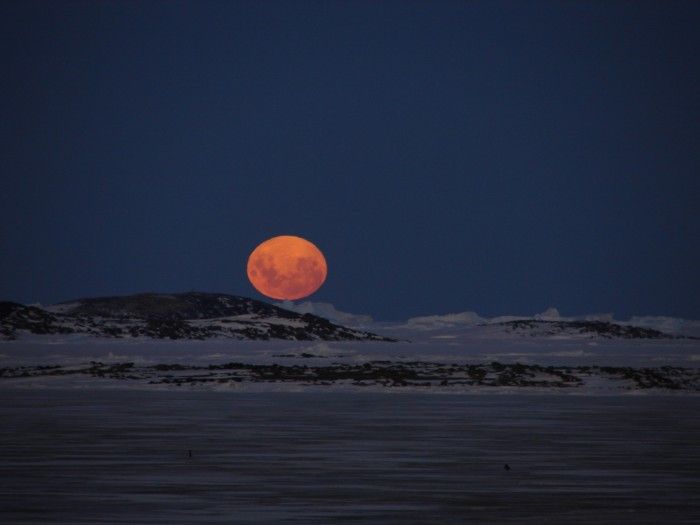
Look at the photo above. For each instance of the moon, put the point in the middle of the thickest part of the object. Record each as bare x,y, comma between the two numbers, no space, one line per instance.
287,268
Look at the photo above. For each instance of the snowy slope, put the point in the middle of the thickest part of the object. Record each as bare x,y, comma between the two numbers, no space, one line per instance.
191,315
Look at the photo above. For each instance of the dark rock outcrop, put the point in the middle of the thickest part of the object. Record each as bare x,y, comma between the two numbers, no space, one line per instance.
537,327
192,315
380,373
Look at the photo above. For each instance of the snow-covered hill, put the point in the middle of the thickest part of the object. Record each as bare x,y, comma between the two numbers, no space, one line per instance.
548,324
196,315
192,315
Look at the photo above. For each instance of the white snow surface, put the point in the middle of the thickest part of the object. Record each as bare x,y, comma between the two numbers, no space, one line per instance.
328,311
470,345
466,319
669,325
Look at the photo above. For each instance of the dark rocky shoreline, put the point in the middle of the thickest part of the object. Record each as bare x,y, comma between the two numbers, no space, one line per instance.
377,373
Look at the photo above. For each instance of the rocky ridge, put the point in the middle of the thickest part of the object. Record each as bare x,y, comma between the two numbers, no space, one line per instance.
378,374
604,329
192,315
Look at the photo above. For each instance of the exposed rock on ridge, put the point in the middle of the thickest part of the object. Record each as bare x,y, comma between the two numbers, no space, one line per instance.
192,315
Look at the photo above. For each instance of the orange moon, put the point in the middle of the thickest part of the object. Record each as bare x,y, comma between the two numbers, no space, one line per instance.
287,268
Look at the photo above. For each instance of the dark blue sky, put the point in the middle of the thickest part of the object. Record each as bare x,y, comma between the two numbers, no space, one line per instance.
493,156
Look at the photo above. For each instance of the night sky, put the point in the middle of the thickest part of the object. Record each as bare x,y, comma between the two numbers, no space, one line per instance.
501,157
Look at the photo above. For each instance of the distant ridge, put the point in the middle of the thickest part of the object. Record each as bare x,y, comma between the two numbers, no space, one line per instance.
191,315
606,329
550,325
188,305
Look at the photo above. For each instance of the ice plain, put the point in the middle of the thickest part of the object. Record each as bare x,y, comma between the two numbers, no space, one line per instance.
80,449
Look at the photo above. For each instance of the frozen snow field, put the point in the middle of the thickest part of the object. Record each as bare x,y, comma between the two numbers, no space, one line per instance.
85,449
121,456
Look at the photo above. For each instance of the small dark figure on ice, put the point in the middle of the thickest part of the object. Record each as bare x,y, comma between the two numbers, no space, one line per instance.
506,467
